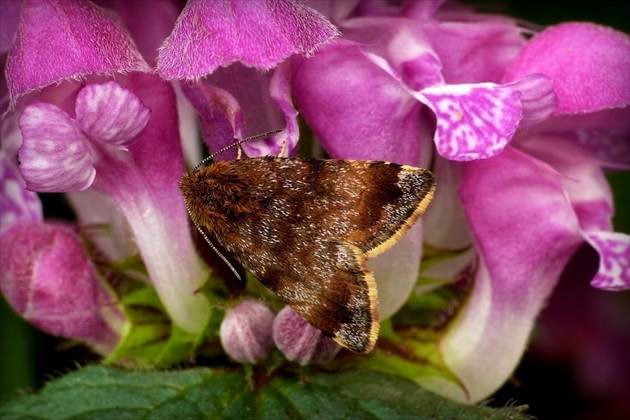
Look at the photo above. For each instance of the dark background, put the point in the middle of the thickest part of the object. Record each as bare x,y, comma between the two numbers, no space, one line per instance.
578,363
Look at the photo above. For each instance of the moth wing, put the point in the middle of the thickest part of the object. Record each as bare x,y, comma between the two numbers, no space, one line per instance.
305,229
394,199
339,296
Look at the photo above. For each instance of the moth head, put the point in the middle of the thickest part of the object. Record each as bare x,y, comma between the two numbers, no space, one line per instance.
213,195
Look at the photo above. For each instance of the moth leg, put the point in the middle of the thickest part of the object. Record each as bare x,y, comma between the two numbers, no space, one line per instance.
239,152
283,149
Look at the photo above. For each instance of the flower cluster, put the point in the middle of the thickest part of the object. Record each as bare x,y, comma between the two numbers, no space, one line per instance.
517,126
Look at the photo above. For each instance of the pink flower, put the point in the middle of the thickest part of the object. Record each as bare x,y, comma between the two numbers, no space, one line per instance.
120,138
48,278
528,188
517,126
239,101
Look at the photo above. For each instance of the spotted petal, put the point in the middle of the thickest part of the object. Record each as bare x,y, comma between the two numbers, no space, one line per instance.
614,260
111,113
54,156
474,121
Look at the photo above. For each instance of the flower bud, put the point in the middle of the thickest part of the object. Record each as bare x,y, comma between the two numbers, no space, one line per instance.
246,331
299,341
47,278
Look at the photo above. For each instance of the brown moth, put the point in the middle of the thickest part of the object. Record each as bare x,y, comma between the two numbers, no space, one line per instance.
306,227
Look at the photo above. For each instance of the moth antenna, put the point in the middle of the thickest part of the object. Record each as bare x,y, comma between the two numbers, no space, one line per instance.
213,247
237,143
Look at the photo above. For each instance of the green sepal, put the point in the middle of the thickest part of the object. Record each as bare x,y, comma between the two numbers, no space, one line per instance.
409,353
151,340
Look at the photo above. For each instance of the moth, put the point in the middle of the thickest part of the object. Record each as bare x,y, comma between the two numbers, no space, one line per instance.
306,227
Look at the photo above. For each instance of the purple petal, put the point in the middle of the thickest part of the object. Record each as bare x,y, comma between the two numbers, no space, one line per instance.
587,188
220,116
445,226
396,272
57,40
521,256
400,47
111,113
231,96
144,184
605,134
149,22
589,65
17,204
261,34
93,208
582,178
280,93
9,18
54,156
537,96
614,260
473,121
47,277
357,110
472,47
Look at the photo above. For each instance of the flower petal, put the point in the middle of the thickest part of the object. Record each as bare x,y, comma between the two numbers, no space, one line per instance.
473,121
521,256
445,226
149,22
54,156
396,272
456,36
589,65
237,94
605,134
220,116
400,47
537,96
48,49
614,260
587,188
17,204
582,178
210,34
93,208
144,184
280,93
9,18
111,113
357,110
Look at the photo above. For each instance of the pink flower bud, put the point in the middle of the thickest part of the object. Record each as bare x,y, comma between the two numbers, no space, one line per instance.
299,341
246,331
47,278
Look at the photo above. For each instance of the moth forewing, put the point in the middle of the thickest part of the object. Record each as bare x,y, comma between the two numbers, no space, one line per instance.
305,228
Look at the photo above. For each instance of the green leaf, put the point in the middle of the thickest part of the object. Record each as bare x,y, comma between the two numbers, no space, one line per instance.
107,392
